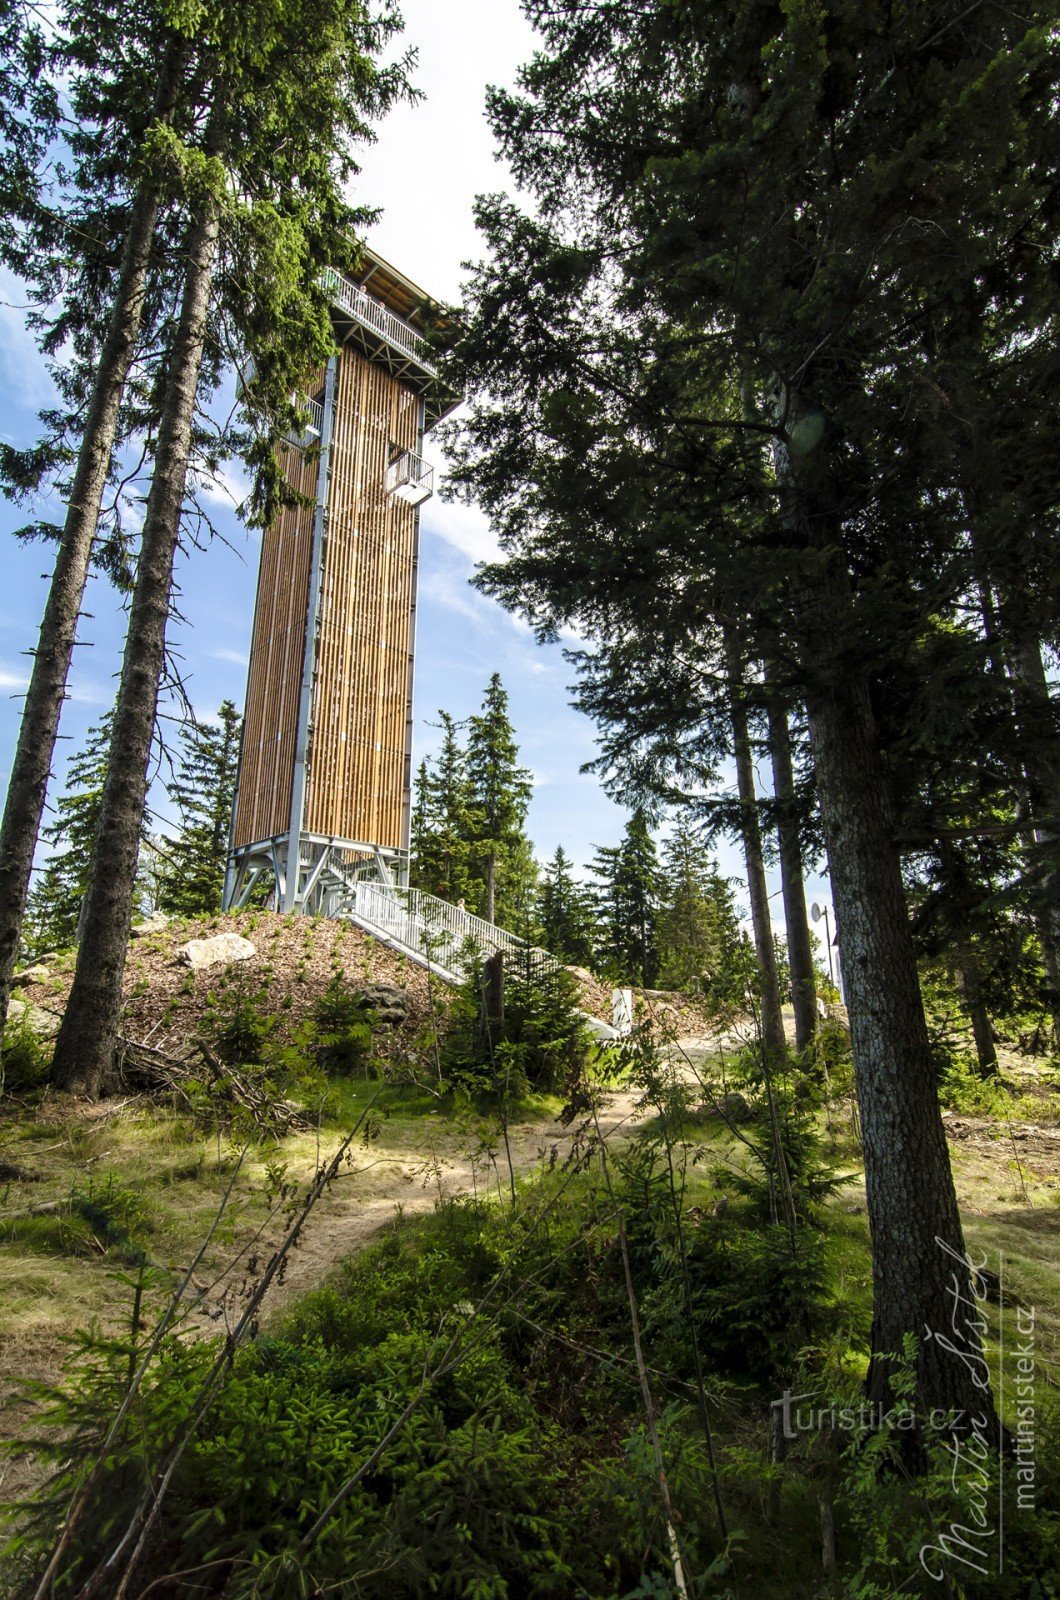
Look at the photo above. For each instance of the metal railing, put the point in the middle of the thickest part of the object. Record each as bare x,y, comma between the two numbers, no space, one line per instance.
377,318
434,930
316,416
410,477
444,937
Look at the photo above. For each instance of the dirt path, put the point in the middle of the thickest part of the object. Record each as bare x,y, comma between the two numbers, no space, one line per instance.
387,1182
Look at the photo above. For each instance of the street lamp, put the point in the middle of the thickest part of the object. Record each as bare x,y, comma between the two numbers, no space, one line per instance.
817,912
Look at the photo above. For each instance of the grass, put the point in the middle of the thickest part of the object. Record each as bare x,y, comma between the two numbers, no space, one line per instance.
59,1270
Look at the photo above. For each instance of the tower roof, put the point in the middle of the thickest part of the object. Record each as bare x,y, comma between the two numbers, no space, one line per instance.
391,286
377,313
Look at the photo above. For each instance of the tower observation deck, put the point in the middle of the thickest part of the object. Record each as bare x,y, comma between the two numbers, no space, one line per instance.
323,797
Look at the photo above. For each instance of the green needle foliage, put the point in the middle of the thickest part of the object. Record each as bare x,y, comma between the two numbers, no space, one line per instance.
699,932
630,899
703,401
56,900
500,792
468,838
192,866
565,913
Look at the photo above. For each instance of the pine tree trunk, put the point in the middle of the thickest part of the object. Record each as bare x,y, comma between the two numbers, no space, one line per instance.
773,1038
84,1048
31,768
974,1007
922,1283
491,886
800,950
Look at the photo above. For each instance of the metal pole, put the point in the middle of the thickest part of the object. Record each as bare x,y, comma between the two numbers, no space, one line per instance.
305,702
828,947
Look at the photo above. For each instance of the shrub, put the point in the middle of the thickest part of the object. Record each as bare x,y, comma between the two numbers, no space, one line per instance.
25,1060
100,1216
341,1034
238,1026
541,1045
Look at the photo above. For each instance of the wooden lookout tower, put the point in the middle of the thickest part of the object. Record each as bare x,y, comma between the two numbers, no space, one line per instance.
323,797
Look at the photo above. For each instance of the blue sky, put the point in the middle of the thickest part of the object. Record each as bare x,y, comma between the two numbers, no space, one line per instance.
429,163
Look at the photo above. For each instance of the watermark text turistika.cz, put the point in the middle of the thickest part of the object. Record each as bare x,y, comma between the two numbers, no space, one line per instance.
974,1540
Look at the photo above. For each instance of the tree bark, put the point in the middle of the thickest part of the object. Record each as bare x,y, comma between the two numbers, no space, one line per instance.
773,1040
84,1048
922,1280
491,887
31,768
974,1008
800,950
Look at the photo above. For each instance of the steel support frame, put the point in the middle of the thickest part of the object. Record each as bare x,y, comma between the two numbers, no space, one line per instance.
317,878
312,628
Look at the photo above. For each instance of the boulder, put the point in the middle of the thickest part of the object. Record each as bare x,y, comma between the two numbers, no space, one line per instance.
45,1024
28,975
218,951
622,1011
386,1002
734,1108
155,923
582,974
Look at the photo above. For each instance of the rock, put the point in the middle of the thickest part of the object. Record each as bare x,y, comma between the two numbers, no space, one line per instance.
387,1002
733,1108
45,1024
28,975
602,1032
152,924
220,950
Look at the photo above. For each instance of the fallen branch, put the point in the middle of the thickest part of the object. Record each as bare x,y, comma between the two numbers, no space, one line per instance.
231,1089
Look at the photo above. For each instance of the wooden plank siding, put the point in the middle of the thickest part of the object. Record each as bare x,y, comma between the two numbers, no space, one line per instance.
277,650
357,778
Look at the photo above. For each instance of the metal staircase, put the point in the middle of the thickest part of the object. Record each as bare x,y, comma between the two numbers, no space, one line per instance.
430,931
442,937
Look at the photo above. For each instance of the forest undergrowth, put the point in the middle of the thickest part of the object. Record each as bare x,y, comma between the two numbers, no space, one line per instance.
484,1399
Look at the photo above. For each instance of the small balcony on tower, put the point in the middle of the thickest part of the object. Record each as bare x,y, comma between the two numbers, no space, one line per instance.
310,434
409,477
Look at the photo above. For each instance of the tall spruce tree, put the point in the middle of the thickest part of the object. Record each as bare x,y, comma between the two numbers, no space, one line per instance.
564,913
630,899
699,931
29,115
191,871
126,75
500,792
442,823
284,104
56,901
645,338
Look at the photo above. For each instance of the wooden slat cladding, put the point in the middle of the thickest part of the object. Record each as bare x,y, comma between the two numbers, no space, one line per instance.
357,777
277,650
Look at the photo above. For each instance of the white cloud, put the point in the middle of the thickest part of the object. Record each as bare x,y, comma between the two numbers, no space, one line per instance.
15,681
90,694
465,528
443,587
24,371
431,159
224,652
228,487
445,583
